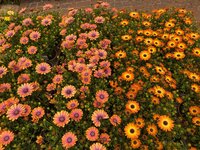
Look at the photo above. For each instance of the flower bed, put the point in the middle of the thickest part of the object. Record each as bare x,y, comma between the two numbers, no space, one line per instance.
99,78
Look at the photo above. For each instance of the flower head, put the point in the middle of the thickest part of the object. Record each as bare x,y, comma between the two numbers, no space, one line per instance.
97,146
61,118
76,115
6,137
68,91
15,111
43,68
25,90
92,134
69,139
99,115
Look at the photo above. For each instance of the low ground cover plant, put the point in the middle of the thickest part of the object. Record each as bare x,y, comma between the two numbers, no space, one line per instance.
99,78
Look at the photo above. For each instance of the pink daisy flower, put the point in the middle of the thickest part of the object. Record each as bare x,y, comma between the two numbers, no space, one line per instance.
84,89
69,139
102,54
57,79
105,64
94,60
88,10
99,19
50,87
11,101
81,60
93,35
2,41
43,68
104,43
67,44
72,12
80,67
6,137
76,115
47,6
27,110
86,73
23,78
25,90
5,87
24,40
46,22
104,138
99,115
99,73
115,120
92,134
83,35
69,20
97,104
3,71
35,35
86,80
92,26
107,72
10,33
15,111
37,113
97,146
32,50
80,41
71,37
102,96
85,26
3,107
27,22
61,118
68,91
35,85
72,104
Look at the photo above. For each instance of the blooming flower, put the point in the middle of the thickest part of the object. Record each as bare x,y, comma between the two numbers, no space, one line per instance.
99,115
102,96
92,134
61,118
43,68
3,71
76,115
15,111
24,90
93,35
37,113
35,35
69,139
98,146
68,91
6,137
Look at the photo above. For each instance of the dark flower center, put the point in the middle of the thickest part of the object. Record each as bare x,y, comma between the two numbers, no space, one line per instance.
68,91
132,130
151,130
6,138
165,123
38,113
25,90
16,112
99,118
132,106
76,115
1,71
92,133
62,119
102,96
69,139
43,68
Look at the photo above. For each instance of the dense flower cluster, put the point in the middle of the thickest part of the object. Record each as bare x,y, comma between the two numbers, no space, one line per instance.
100,78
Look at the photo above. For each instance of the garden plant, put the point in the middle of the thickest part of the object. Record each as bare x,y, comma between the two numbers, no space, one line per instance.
99,78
